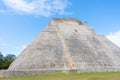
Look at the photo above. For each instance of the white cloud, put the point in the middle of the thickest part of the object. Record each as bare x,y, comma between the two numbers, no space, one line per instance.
23,46
19,49
38,7
114,37
4,44
2,11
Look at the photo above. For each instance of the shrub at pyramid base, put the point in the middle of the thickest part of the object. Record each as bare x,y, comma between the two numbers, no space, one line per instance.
68,44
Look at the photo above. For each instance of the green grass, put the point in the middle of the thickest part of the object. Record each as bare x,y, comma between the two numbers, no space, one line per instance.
63,76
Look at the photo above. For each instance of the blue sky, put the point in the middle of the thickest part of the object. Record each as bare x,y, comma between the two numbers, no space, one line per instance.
22,20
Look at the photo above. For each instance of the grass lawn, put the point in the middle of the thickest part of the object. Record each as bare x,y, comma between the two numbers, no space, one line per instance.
63,76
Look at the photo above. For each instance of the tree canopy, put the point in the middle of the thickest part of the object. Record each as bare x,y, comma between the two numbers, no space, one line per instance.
5,61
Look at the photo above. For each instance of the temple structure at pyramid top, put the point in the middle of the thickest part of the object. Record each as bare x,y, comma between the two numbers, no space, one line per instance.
67,43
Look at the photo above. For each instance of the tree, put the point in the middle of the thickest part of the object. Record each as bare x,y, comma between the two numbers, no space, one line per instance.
1,60
10,56
6,61
1,56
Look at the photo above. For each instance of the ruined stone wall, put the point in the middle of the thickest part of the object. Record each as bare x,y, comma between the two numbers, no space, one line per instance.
8,73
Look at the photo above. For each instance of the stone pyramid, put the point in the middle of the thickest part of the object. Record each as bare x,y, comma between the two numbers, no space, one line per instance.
67,43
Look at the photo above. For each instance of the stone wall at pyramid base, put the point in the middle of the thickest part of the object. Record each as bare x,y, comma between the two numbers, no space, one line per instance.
9,73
